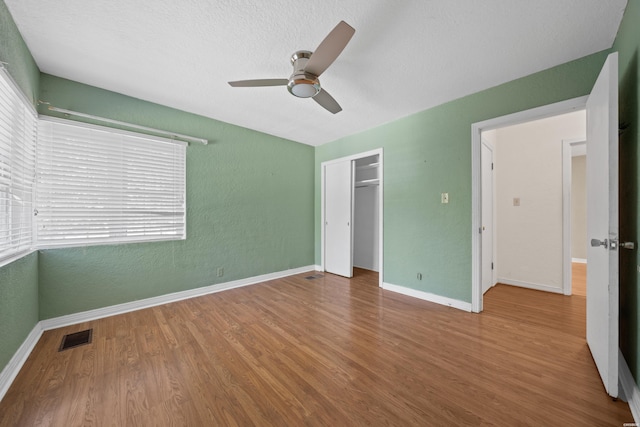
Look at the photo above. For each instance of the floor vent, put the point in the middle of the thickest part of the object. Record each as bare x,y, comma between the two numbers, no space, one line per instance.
76,339
315,276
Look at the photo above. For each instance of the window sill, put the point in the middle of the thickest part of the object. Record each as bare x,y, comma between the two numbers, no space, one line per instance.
16,257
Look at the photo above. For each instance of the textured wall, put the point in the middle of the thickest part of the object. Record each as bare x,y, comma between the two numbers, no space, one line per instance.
16,55
18,280
628,45
429,153
18,304
249,210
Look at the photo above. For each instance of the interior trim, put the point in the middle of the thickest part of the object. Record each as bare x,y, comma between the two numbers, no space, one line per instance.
450,302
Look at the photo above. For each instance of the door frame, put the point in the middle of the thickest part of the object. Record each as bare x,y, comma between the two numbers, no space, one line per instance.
352,158
477,128
567,155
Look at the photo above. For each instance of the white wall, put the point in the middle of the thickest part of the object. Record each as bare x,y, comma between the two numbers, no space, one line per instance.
366,239
490,137
366,226
528,166
579,207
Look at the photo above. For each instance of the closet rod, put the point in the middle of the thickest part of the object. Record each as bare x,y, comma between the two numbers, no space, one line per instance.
130,125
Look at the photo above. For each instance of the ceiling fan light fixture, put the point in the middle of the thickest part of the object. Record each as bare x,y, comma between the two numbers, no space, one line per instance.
308,66
304,85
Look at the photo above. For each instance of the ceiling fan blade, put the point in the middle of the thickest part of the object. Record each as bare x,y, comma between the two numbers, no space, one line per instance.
326,101
259,82
329,49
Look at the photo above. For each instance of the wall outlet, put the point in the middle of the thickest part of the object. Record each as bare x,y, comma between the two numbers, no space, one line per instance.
220,272
444,198
516,201
419,276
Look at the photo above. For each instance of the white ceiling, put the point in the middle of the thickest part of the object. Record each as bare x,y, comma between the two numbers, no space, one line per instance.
406,56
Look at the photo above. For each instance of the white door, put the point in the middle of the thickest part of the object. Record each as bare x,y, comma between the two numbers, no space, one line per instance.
602,224
486,157
338,208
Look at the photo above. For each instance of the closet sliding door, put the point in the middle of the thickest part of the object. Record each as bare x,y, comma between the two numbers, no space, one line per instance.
338,217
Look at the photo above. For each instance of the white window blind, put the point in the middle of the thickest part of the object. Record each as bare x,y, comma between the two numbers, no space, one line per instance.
17,169
98,185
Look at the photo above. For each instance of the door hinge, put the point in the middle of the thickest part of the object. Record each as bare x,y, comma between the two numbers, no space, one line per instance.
492,266
491,166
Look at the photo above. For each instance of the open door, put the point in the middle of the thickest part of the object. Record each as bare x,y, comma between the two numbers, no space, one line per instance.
486,158
602,224
338,217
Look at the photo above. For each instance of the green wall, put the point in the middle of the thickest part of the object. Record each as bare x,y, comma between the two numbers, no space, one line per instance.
249,210
628,44
18,304
19,279
14,52
429,153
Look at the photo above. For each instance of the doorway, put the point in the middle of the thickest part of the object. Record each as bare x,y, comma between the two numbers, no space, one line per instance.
529,196
366,221
478,129
574,215
351,214
488,217
601,107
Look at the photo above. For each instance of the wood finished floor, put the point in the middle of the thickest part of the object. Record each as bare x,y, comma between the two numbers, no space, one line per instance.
579,279
322,352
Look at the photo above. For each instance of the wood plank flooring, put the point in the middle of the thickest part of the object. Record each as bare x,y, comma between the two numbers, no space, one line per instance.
323,352
579,279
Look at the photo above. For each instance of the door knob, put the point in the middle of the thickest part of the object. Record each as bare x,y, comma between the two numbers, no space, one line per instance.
628,245
596,243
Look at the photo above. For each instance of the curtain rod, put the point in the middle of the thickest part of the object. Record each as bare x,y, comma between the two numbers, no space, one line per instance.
130,125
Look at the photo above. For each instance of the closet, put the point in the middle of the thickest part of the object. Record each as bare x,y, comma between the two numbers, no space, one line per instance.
365,213
351,200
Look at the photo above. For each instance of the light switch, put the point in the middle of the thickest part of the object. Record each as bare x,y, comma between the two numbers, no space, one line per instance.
516,201
444,198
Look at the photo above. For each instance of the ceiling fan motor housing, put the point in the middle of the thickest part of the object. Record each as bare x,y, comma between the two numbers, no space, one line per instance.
302,84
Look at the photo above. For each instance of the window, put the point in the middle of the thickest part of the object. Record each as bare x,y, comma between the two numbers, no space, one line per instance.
98,185
17,169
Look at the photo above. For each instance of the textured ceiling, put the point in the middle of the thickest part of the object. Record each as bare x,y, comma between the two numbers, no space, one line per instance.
406,56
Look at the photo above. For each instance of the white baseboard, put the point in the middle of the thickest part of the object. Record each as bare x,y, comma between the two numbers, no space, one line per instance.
461,305
629,387
368,268
85,316
528,285
579,260
10,371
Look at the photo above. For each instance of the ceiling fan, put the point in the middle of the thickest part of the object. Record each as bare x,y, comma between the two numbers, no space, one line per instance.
308,66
